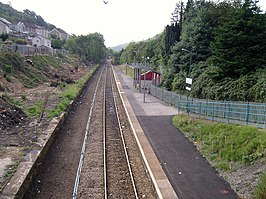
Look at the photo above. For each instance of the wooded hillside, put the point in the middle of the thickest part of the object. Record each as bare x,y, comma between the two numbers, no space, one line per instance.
28,16
225,43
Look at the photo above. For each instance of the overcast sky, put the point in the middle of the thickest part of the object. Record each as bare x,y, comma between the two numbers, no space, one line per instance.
119,21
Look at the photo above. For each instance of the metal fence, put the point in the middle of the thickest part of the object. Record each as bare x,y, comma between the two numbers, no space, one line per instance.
223,111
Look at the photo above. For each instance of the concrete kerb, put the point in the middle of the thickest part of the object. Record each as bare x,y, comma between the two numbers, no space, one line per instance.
159,178
27,170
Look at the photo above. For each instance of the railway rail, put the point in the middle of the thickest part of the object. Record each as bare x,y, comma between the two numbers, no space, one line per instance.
104,170
108,163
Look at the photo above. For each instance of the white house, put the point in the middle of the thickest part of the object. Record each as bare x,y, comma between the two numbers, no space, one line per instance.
21,27
41,41
4,26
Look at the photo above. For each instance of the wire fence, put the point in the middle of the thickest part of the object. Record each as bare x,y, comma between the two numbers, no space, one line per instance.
253,114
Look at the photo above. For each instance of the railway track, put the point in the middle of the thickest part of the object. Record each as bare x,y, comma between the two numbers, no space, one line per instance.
90,156
105,170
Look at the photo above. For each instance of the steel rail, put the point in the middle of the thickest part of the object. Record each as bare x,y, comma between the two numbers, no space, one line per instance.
75,191
123,140
104,138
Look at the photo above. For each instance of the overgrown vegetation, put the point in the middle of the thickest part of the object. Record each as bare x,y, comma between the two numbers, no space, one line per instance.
36,109
13,64
226,145
70,92
220,44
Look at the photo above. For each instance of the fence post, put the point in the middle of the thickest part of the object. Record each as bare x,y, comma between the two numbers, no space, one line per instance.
224,109
206,109
178,108
247,113
171,102
187,104
228,119
200,110
212,111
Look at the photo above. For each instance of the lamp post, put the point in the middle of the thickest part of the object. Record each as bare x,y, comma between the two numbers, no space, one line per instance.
134,53
188,80
144,86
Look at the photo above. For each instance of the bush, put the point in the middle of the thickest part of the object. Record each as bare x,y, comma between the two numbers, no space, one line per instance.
7,69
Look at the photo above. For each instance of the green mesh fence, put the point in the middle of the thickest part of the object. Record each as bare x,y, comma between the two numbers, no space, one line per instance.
223,111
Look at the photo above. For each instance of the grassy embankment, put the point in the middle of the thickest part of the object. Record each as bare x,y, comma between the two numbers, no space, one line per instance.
227,146
14,68
69,93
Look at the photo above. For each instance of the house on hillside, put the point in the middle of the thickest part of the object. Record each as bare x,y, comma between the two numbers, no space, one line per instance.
59,34
35,29
20,27
4,26
39,41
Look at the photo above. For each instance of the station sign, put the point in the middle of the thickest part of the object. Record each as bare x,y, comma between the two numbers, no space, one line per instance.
189,80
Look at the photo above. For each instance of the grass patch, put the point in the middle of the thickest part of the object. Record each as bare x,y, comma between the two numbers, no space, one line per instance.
224,143
11,100
260,191
12,169
10,172
128,70
36,109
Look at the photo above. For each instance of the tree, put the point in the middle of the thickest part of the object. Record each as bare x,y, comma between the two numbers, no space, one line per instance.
89,47
239,45
57,43
4,36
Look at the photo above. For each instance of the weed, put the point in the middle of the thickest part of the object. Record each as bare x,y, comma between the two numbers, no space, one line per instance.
12,169
11,100
23,97
260,191
70,92
8,78
36,109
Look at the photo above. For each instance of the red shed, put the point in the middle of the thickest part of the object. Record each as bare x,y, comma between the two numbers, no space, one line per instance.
151,76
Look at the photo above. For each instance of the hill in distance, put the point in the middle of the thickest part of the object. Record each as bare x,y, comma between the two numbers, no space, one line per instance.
14,16
119,47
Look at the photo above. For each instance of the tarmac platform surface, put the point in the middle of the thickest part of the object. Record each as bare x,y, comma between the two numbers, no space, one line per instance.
189,174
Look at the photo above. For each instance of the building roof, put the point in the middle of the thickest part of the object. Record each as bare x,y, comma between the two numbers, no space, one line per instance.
5,21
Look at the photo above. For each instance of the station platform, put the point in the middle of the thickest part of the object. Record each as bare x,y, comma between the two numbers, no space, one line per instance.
176,166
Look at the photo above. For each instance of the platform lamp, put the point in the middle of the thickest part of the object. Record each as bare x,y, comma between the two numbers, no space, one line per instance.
188,79
145,65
